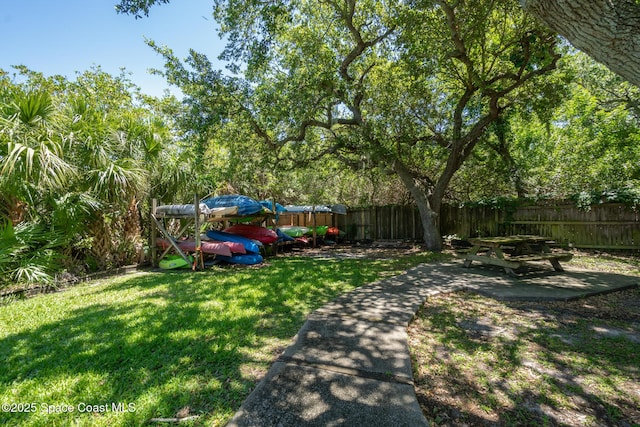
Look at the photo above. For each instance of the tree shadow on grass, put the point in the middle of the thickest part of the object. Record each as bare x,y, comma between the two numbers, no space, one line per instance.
521,364
140,362
171,343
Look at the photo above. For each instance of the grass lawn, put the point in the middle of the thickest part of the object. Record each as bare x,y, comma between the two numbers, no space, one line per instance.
611,263
481,362
123,351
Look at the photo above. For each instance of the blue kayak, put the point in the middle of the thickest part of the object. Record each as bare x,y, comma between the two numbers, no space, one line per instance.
283,237
251,246
248,259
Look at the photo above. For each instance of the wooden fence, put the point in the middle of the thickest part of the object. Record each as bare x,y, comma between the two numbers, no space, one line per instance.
606,226
307,219
382,223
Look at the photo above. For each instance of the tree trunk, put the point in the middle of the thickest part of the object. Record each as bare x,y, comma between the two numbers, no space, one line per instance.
101,244
428,215
17,210
133,232
606,30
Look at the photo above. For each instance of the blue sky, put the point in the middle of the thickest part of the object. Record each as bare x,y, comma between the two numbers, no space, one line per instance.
65,36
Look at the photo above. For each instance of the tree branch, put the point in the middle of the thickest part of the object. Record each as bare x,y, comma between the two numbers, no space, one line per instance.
361,45
460,52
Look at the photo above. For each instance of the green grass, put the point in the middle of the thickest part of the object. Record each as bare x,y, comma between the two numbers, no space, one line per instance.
164,344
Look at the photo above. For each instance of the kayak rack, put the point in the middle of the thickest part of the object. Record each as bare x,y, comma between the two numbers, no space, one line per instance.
191,215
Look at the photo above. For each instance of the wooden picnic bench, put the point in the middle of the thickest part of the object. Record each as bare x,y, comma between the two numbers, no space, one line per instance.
513,252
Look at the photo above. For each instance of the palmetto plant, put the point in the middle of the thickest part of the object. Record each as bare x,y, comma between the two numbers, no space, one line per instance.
33,160
80,159
34,150
28,253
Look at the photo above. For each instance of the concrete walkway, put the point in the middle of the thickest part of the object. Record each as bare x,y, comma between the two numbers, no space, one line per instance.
349,364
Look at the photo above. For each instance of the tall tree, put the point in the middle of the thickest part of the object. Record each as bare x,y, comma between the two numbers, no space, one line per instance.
412,88
470,62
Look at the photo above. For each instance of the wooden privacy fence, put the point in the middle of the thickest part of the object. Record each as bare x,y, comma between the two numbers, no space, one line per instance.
381,223
606,226
307,219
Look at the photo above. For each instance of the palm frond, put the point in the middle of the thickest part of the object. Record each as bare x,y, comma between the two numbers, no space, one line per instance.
18,161
54,171
31,273
33,108
38,162
118,180
72,211
27,253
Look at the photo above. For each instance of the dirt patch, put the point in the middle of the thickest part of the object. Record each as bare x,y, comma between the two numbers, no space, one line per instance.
369,250
481,362
623,263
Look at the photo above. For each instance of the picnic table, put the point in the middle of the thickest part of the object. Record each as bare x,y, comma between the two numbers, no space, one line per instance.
512,252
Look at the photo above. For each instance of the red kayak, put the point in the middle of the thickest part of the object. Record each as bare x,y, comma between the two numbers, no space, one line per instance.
303,240
218,248
255,232
333,231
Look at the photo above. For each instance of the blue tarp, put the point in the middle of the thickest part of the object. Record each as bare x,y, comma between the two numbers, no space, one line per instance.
246,205
269,205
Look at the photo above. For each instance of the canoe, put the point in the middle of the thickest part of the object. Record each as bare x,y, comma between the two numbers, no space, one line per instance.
254,232
171,262
335,233
293,231
250,246
248,259
308,208
207,247
246,205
